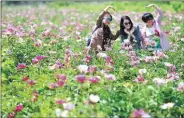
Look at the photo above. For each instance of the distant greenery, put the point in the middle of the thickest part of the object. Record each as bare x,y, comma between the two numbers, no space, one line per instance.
173,6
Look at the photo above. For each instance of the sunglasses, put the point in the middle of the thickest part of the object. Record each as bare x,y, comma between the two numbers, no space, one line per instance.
126,23
108,18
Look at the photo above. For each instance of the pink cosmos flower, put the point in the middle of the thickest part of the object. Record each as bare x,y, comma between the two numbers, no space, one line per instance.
38,43
21,66
59,64
109,60
35,96
52,86
35,61
12,115
25,78
19,107
31,82
95,79
60,83
80,78
61,77
40,57
87,58
140,114
139,79
172,76
60,101
92,69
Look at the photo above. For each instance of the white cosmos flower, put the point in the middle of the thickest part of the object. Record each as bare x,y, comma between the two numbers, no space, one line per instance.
126,41
102,55
94,98
64,114
159,81
168,64
83,68
110,76
142,71
167,105
58,112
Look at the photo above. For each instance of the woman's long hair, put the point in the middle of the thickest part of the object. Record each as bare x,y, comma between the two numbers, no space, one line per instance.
106,32
122,25
106,36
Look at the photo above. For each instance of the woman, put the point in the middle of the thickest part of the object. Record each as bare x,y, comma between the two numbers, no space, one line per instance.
130,32
102,35
152,30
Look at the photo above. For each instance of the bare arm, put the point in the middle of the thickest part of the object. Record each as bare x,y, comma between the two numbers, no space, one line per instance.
159,14
100,17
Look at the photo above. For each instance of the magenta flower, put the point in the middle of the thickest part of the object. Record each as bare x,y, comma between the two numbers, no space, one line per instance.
59,64
173,76
31,82
40,57
94,79
60,101
11,115
61,77
21,66
38,43
60,83
25,78
92,69
53,85
87,58
139,79
35,94
80,78
140,114
35,61
19,108
109,60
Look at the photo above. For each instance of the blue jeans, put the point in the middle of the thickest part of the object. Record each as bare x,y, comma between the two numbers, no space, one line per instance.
89,40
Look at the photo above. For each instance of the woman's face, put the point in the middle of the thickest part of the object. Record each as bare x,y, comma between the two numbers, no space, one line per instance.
107,19
127,24
150,23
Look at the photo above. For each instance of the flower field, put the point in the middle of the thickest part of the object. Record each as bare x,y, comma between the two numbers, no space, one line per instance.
46,71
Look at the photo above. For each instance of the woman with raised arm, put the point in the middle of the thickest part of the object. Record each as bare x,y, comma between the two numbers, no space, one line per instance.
102,35
152,30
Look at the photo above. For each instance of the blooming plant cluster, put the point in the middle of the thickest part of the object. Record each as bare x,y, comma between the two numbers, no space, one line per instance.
48,72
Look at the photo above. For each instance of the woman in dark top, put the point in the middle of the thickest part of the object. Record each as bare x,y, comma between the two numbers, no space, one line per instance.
130,32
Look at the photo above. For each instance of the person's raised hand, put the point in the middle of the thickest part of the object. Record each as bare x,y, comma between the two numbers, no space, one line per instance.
108,7
151,5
